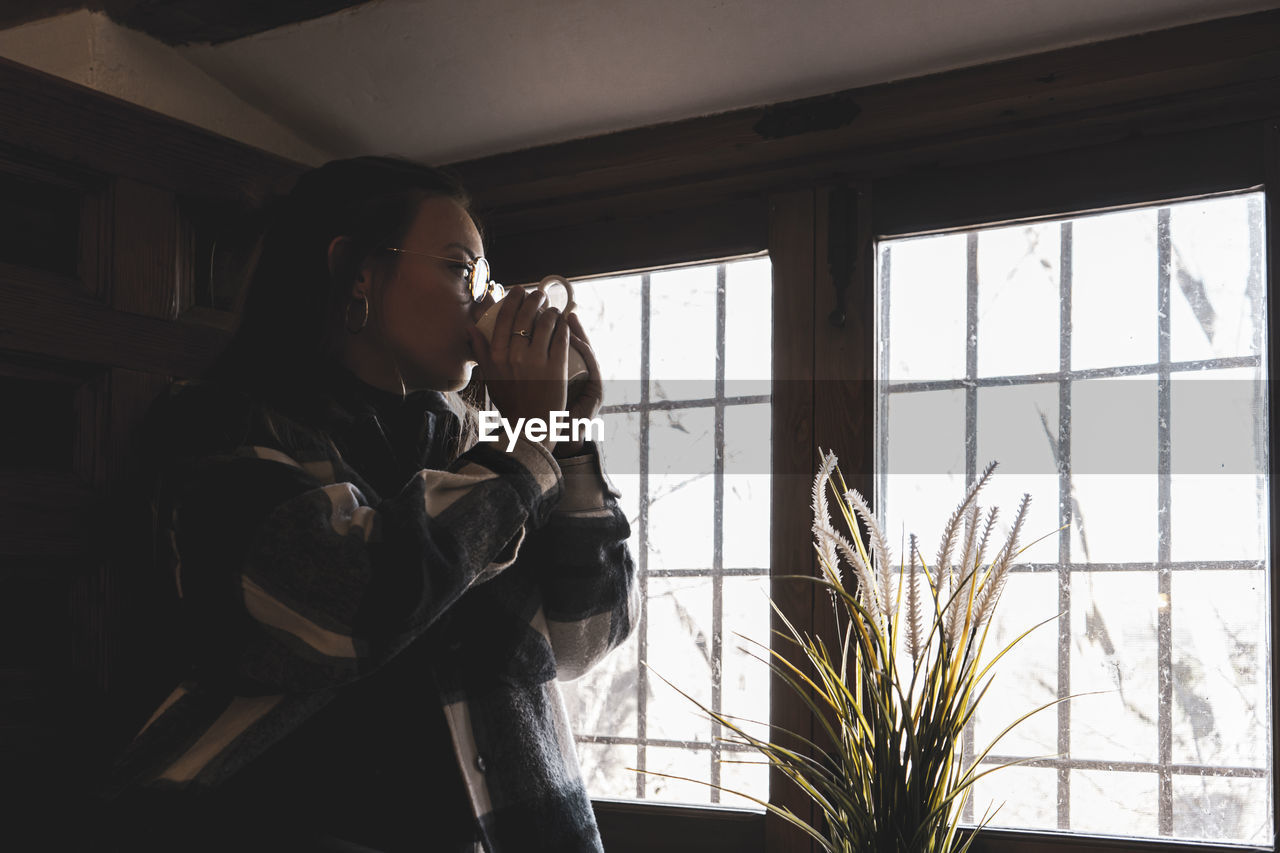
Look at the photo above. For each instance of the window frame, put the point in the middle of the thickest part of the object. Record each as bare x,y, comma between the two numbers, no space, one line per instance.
721,404
1161,566
997,143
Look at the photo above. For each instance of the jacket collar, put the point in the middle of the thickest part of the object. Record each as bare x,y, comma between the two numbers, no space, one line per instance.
386,437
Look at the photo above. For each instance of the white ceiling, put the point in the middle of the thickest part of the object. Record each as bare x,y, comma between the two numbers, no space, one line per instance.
448,81
445,81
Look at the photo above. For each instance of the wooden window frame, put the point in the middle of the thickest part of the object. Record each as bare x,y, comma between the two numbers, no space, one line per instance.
1168,115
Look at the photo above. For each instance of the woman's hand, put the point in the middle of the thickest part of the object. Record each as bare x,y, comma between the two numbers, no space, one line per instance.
525,374
585,395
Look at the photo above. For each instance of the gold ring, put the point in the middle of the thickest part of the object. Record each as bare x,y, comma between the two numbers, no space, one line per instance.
524,333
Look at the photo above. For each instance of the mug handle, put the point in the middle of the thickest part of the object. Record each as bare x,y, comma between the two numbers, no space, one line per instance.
564,282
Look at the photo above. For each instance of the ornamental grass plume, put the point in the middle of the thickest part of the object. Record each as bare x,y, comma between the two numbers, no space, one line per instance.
892,699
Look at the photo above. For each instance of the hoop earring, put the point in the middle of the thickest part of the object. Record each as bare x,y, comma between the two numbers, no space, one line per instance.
364,320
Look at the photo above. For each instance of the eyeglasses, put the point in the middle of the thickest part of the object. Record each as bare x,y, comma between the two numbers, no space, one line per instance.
479,281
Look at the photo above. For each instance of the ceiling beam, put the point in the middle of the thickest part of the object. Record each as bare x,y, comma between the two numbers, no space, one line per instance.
178,22
14,13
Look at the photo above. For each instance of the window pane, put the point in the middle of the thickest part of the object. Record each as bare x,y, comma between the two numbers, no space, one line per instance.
682,339
746,679
604,769
1018,300
1140,429
691,764
603,702
610,312
1018,426
1233,810
1219,668
1113,289
925,474
1115,659
690,450
1217,289
679,631
927,321
749,326
747,438
1102,801
681,488
1027,678
1113,463
1218,438
1026,797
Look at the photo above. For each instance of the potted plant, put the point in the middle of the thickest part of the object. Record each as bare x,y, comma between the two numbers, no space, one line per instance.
894,691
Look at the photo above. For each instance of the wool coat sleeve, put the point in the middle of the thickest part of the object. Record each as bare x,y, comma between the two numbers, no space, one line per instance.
590,597
297,583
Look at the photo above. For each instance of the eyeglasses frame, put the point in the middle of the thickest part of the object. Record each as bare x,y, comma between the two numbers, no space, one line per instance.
490,286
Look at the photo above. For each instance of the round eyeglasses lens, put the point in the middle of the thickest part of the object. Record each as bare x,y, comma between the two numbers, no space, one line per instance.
479,279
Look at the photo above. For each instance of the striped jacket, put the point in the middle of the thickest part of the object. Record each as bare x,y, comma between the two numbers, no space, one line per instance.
298,581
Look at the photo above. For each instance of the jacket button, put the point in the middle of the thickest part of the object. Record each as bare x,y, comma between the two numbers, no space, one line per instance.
480,765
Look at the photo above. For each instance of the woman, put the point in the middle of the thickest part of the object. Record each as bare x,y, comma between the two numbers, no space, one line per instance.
378,610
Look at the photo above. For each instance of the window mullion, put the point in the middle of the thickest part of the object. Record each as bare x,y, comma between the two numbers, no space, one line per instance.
642,559
1065,515
1164,578
717,547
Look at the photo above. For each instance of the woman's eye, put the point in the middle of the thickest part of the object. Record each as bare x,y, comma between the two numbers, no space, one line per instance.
459,269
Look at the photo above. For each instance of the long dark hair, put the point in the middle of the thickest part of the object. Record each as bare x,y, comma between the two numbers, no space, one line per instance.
288,345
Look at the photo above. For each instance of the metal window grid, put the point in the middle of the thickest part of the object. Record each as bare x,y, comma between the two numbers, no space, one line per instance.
716,573
1165,768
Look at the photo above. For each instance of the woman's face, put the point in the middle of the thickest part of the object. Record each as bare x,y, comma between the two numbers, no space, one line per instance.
420,308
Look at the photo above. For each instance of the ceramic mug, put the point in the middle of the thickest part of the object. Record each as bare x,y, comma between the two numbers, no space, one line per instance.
559,294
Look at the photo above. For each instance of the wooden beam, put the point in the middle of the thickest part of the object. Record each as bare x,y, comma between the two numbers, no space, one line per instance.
14,13
216,21
74,125
44,319
1201,75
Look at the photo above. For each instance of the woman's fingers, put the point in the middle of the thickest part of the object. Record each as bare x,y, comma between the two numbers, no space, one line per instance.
526,374
527,316
500,346
588,355
589,393
559,350
575,326
585,395
545,326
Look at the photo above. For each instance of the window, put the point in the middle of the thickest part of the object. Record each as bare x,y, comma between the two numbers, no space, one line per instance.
1022,140
685,354
1115,365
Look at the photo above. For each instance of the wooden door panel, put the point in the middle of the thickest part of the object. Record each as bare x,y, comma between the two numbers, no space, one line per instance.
55,219
144,250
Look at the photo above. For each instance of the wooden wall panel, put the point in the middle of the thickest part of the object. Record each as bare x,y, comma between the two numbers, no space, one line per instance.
56,222
144,253
60,326
91,334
